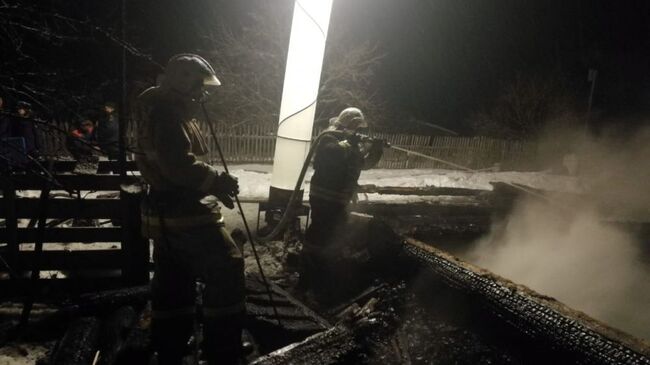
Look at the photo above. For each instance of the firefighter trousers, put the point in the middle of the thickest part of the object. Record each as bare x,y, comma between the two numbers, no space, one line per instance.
181,256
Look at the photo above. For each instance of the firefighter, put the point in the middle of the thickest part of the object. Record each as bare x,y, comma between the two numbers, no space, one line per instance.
338,162
190,241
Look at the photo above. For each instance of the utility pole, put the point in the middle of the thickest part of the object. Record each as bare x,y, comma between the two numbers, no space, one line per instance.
593,74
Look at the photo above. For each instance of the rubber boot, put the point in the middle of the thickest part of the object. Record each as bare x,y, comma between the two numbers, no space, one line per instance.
222,340
170,337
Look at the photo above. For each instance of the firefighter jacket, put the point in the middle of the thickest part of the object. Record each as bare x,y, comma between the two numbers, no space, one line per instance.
338,162
170,145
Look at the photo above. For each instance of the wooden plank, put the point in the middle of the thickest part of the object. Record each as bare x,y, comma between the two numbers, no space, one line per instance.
67,208
104,166
76,234
75,182
53,289
421,191
135,248
11,221
68,260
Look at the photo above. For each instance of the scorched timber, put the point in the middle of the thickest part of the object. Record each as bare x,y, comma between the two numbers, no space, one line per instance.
562,332
330,347
79,344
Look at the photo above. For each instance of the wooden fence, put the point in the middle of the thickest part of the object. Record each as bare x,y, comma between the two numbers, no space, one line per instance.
256,144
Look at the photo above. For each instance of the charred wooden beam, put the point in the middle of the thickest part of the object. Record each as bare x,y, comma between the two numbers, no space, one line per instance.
567,333
114,334
459,206
136,348
355,337
95,304
99,303
79,344
296,320
334,346
422,191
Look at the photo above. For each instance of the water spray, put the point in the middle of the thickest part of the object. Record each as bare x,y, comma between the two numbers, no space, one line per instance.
467,169
296,196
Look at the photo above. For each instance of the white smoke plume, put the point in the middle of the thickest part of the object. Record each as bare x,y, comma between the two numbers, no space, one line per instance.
573,251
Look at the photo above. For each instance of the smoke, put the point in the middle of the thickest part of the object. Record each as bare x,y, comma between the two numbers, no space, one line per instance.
577,250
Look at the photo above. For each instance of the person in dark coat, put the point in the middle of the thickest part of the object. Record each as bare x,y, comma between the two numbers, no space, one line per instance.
108,131
81,141
23,126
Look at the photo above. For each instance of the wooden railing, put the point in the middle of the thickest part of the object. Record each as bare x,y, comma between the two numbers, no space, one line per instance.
41,245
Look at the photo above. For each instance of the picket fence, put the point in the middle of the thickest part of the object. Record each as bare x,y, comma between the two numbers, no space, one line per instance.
256,144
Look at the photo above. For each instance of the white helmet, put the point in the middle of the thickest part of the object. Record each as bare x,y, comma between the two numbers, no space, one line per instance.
350,118
186,72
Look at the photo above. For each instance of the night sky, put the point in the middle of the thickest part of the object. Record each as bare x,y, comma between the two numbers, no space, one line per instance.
443,59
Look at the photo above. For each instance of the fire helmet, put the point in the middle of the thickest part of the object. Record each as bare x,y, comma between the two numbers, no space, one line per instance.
186,72
350,118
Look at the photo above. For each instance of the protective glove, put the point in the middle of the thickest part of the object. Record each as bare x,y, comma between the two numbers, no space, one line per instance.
226,188
345,144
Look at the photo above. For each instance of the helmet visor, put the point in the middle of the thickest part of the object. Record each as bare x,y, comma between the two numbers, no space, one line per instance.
211,80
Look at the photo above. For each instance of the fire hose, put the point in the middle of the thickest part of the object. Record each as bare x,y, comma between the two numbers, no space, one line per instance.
241,211
294,200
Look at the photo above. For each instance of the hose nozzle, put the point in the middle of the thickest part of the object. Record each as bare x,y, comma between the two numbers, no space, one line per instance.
365,138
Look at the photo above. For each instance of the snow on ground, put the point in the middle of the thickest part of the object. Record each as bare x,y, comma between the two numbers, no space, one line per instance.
22,354
254,180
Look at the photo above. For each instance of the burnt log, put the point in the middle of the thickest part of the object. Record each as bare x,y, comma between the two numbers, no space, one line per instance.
296,321
111,299
541,325
421,191
95,304
79,344
455,206
361,329
136,348
334,346
115,332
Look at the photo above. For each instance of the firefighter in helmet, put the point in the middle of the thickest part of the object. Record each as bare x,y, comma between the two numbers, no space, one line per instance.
338,161
190,241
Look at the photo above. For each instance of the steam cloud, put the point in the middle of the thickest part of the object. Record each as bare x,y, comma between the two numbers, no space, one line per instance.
575,253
